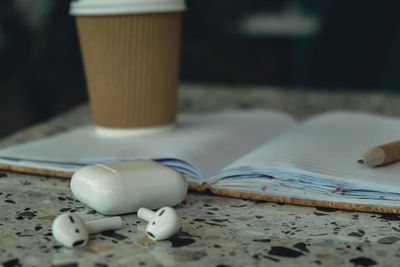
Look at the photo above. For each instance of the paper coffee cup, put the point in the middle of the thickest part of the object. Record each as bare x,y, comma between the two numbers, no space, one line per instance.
130,51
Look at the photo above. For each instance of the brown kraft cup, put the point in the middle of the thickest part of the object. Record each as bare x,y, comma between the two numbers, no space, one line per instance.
131,64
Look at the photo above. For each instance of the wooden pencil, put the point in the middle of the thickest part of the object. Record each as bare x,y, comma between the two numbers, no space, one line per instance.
381,155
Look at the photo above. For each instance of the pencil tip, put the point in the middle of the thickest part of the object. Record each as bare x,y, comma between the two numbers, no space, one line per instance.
361,161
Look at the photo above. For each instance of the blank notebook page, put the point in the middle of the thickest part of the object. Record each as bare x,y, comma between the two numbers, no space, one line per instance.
207,141
331,144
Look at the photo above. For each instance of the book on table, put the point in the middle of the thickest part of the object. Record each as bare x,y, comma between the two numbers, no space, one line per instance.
258,154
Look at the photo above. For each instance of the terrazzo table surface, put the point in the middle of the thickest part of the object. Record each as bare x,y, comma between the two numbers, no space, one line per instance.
216,231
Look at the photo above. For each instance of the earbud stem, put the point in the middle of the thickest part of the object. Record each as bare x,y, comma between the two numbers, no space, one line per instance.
100,225
145,214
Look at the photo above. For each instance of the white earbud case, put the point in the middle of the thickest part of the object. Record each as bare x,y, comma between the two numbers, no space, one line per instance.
124,187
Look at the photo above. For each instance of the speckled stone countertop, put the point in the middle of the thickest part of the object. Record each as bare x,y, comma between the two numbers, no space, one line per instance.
216,231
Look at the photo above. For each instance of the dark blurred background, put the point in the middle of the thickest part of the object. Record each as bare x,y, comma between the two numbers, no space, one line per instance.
293,44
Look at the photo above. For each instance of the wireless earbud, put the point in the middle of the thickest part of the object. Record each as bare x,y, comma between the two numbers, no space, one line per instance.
163,223
70,230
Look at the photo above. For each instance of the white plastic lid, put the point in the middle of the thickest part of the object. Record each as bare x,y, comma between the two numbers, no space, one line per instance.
115,7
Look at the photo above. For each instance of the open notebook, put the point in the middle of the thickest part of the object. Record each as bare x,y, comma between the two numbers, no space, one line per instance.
256,154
